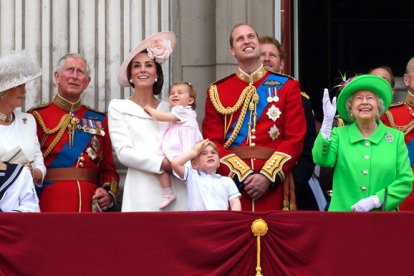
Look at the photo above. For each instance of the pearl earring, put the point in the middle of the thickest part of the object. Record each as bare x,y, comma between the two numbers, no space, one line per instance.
130,80
155,80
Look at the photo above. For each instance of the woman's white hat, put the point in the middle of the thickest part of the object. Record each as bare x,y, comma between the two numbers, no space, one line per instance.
17,68
159,47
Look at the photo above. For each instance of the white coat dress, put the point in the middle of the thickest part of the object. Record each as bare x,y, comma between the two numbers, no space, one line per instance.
22,132
136,139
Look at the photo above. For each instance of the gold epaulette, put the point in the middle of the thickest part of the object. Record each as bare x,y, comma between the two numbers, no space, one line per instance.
396,104
222,79
274,164
237,166
95,110
40,106
305,95
284,75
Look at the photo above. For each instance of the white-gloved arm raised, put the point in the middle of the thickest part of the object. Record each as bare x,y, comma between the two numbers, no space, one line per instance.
329,110
367,204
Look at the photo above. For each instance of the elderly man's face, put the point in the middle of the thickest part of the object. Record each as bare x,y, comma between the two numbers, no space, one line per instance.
72,79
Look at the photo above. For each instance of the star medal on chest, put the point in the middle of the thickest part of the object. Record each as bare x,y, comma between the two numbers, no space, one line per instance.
92,151
273,113
95,143
273,132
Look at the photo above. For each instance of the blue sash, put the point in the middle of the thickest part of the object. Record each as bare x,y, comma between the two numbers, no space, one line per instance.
410,147
271,81
69,156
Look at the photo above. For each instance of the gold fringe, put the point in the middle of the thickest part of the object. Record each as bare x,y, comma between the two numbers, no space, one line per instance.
247,97
61,127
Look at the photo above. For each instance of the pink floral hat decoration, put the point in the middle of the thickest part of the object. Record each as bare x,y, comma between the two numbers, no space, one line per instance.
159,47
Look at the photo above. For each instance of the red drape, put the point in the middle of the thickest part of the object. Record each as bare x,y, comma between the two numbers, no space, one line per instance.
205,243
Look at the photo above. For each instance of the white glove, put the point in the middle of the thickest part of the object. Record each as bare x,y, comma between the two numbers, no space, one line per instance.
329,110
367,204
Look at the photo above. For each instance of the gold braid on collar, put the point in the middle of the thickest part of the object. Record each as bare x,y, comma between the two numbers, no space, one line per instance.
245,99
67,105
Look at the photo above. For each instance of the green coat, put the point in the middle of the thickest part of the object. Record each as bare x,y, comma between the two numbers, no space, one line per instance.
363,167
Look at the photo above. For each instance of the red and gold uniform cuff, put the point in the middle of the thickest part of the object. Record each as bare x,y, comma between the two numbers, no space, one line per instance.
273,166
237,166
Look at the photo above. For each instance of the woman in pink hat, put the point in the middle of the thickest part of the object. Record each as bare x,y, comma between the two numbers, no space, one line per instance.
135,135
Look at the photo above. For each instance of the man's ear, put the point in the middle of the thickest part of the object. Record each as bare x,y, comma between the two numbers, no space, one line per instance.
232,52
282,66
406,81
56,76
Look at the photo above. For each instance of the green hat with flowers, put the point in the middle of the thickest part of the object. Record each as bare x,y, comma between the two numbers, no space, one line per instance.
377,85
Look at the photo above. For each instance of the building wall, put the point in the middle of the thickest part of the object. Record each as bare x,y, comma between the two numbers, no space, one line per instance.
104,31
203,28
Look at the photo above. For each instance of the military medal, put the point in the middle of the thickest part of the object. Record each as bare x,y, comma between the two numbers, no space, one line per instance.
95,143
99,129
273,132
273,113
269,99
91,153
272,95
92,126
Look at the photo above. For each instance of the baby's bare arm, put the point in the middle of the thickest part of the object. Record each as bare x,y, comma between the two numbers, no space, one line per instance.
160,115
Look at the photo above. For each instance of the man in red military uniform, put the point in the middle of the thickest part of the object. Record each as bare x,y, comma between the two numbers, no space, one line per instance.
256,119
81,175
401,116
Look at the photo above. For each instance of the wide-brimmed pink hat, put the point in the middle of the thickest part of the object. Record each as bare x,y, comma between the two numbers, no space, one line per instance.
159,47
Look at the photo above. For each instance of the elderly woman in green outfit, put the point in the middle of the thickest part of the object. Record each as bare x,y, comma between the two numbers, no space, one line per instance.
370,160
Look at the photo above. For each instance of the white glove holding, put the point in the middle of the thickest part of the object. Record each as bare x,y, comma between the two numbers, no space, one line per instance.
329,110
367,204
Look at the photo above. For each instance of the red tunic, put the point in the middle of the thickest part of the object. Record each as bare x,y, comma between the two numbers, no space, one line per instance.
401,116
92,151
289,127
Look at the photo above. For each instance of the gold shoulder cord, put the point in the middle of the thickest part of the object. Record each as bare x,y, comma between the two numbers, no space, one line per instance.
244,99
405,129
61,127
